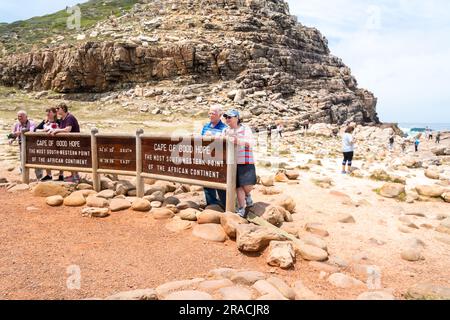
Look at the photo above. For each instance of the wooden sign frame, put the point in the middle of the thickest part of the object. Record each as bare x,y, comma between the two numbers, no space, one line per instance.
231,164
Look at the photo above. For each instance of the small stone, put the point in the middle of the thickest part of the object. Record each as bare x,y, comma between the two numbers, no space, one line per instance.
310,253
169,287
281,254
247,278
140,294
95,212
428,291
346,218
303,293
252,238
341,280
213,285
236,293
267,181
315,241
189,214
444,226
375,295
189,295
118,204
430,191
317,229
47,189
265,288
282,287
292,174
210,232
281,177
412,254
55,201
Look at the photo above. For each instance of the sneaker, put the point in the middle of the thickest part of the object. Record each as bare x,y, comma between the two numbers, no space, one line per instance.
46,178
249,200
241,213
61,178
72,179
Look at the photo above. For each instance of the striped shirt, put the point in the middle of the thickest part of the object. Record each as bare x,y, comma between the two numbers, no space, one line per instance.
245,144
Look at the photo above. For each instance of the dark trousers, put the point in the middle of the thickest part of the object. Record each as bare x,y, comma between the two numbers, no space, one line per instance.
214,196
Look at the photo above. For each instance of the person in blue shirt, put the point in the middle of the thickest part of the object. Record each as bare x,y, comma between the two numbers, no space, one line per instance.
215,128
416,144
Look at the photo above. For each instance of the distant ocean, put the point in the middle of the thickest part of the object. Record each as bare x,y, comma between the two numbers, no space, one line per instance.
414,128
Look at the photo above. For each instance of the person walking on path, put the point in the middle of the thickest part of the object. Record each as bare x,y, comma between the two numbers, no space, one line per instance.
242,137
391,142
215,128
348,148
416,144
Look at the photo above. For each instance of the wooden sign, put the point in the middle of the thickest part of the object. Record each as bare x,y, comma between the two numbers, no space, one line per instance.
116,153
186,157
61,151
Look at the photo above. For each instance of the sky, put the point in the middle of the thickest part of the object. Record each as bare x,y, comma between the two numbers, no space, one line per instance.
398,49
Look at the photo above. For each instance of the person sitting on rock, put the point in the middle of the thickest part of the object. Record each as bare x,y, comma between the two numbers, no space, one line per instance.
68,124
242,137
215,128
50,123
348,148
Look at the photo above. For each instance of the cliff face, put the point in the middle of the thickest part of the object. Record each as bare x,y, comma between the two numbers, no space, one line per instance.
271,64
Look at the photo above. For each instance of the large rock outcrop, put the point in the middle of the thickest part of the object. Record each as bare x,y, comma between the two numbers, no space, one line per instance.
275,65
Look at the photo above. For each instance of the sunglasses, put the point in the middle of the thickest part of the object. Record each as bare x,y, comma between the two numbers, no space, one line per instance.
228,117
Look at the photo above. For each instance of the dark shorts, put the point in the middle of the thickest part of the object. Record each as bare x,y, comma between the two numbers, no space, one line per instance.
348,157
246,175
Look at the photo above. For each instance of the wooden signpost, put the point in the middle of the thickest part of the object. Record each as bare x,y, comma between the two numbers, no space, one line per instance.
205,161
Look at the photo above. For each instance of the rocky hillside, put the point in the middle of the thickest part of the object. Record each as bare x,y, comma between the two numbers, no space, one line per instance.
250,54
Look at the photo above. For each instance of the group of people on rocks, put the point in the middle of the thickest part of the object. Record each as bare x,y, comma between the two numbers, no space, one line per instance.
57,120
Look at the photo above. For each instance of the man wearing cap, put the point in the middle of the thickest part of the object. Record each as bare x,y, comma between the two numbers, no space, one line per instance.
215,128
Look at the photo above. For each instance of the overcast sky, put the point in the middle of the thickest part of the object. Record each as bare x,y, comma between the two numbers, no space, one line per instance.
399,49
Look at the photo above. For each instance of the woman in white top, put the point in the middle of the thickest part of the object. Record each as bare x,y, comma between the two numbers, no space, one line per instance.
348,148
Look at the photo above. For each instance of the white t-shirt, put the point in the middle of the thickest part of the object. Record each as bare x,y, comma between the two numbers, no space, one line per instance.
347,143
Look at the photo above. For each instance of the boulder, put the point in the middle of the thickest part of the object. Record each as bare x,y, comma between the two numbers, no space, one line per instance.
392,190
444,226
76,199
210,232
428,291
189,214
209,216
252,238
177,225
95,212
267,181
287,202
123,186
54,201
430,191
292,174
96,202
276,215
47,189
119,204
141,205
282,287
266,288
106,194
446,196
309,252
162,213
171,201
281,254
229,222
281,177
432,174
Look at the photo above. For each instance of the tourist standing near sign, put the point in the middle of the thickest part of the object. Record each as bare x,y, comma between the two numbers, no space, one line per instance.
47,125
23,124
242,136
68,124
215,128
